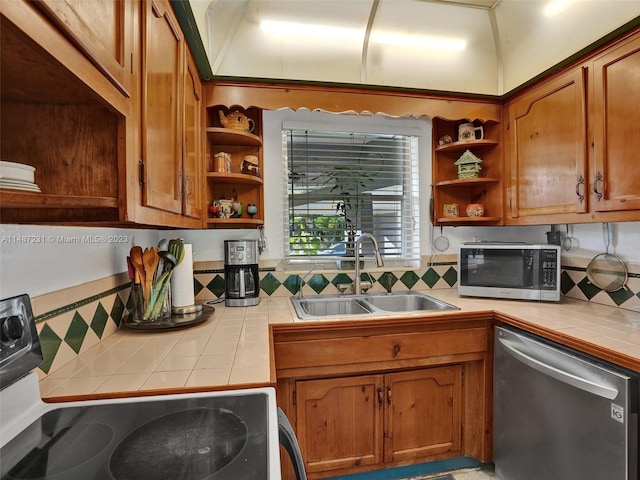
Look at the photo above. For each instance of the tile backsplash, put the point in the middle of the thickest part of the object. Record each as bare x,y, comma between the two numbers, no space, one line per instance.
73,320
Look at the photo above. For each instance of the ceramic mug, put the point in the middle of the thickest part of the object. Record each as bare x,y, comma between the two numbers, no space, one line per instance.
467,132
226,208
450,210
222,162
237,209
475,210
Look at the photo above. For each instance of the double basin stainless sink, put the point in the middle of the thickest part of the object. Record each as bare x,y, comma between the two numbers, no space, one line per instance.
308,308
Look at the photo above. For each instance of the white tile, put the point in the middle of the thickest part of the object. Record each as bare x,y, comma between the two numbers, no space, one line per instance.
123,383
173,363
163,380
208,376
78,386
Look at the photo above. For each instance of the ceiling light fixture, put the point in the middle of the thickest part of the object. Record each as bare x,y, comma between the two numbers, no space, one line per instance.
311,30
355,34
419,41
555,7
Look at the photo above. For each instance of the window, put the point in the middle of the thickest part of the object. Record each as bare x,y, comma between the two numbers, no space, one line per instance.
342,183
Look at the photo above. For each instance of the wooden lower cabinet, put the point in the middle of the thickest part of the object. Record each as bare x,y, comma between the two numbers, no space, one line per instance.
365,396
373,419
340,422
423,413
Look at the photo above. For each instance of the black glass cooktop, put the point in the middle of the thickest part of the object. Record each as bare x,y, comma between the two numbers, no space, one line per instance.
204,438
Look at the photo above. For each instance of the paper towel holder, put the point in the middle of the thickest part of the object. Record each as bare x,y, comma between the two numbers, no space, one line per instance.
186,310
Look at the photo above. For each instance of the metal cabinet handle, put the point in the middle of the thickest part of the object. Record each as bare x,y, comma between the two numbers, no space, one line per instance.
580,188
188,183
388,395
598,185
379,397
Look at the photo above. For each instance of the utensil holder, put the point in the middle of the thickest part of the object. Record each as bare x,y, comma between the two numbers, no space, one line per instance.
139,307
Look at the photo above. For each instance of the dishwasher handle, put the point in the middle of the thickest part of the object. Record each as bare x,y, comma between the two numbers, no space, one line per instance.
591,386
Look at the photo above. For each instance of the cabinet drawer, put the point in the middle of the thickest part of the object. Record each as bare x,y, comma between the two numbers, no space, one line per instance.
351,350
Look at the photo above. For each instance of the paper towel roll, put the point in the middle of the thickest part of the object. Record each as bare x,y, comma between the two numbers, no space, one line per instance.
182,280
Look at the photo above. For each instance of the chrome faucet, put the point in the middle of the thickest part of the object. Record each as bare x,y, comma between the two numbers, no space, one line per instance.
356,281
304,279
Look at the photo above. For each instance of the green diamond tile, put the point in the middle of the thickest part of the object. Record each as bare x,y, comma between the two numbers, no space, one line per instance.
450,276
318,283
217,286
430,277
621,296
197,286
387,277
269,284
292,283
50,343
117,311
76,332
130,301
566,283
341,278
99,320
409,279
587,288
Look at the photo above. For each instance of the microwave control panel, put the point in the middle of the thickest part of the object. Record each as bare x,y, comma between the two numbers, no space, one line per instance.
549,264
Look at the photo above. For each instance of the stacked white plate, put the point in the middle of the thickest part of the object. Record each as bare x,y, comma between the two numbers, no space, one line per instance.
18,176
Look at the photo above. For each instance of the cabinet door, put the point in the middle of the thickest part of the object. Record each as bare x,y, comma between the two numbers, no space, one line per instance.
101,30
339,422
548,154
192,202
616,129
424,413
162,156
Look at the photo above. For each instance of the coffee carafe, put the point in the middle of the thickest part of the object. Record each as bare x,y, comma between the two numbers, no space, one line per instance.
241,273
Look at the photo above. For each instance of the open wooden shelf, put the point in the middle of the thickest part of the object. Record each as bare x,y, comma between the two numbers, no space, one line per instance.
462,146
458,220
241,178
228,136
234,222
465,182
17,199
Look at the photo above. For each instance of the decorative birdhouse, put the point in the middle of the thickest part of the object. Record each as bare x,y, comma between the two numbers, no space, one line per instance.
468,165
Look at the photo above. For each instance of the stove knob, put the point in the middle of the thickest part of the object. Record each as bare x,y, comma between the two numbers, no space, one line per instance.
12,329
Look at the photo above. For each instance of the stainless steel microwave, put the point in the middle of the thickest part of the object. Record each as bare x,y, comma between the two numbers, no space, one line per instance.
509,270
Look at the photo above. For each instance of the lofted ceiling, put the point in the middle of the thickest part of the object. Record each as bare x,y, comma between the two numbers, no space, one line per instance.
486,47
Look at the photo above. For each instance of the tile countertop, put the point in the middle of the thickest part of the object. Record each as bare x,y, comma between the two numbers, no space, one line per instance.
231,348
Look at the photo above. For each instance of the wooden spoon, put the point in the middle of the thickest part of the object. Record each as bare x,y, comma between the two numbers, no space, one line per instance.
150,259
137,255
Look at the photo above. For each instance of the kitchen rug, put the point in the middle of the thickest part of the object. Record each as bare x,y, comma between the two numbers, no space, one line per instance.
439,477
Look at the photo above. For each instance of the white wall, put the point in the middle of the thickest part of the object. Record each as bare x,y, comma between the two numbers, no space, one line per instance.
37,259
532,42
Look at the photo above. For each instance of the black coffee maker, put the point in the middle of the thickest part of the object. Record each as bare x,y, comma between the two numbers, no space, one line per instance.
242,284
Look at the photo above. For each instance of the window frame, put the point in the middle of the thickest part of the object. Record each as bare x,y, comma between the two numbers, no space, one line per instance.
420,128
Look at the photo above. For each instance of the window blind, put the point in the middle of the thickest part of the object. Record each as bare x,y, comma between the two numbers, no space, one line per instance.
341,184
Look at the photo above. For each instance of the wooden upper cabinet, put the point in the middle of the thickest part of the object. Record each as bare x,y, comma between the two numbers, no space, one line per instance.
615,175
102,31
547,154
163,50
193,120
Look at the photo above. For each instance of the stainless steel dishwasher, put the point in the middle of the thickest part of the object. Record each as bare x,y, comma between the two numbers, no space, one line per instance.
560,414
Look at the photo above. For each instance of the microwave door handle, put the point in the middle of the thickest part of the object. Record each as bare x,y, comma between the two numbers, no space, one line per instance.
585,384
242,287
